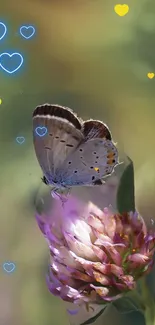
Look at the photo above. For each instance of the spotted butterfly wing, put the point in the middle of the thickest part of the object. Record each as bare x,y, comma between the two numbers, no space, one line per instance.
62,137
89,164
67,152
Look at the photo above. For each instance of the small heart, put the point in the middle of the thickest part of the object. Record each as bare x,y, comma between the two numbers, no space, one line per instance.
11,62
9,267
41,131
20,140
3,30
27,31
150,75
121,10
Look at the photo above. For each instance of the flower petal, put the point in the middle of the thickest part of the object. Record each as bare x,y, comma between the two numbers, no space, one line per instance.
109,223
102,279
129,281
79,248
111,251
96,223
100,254
138,258
63,255
80,275
101,291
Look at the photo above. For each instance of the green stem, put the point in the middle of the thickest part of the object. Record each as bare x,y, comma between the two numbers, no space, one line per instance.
149,313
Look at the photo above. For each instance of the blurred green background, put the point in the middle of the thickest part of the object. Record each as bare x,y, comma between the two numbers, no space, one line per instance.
88,58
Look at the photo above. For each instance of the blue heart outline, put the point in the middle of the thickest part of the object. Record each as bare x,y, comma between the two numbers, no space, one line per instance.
5,30
10,55
6,264
27,27
40,128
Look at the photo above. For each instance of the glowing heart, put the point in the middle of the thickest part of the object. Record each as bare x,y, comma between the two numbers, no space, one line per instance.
41,131
9,267
150,75
27,31
121,10
3,30
20,140
11,62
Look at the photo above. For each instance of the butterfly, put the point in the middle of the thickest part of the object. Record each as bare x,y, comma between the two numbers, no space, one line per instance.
72,152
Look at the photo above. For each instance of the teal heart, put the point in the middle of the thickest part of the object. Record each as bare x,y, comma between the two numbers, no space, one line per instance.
20,140
9,267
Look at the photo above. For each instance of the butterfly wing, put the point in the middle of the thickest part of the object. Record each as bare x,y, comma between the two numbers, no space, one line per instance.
62,137
95,129
91,162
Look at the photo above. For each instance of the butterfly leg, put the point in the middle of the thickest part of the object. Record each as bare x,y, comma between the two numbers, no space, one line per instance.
98,182
61,194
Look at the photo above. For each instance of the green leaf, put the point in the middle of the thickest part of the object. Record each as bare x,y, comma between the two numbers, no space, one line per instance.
126,305
93,319
126,190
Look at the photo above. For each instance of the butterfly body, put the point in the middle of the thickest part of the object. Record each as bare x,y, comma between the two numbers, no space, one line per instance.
73,152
